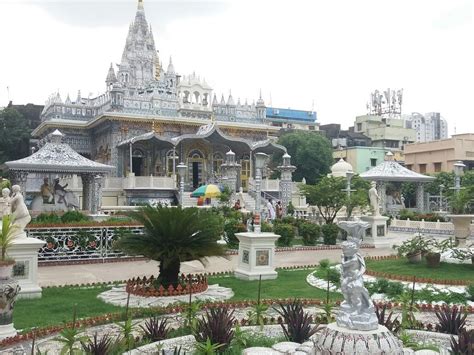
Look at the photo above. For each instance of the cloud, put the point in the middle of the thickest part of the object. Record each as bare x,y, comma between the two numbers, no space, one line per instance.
116,13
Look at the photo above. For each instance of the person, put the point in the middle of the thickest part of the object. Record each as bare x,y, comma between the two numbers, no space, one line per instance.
237,205
270,210
60,191
374,199
46,192
20,213
279,210
5,208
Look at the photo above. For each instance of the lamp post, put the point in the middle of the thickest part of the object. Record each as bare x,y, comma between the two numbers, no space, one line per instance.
260,160
181,171
458,172
441,188
349,175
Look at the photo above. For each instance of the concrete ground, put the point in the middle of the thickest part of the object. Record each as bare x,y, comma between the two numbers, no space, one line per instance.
89,273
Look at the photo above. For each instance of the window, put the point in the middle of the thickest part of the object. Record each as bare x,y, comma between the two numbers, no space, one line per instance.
373,162
437,167
422,168
359,126
408,166
311,128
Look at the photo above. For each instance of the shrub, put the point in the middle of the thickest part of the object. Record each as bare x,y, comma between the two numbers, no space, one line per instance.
73,216
333,275
98,346
330,232
231,227
216,327
47,218
298,323
290,209
392,325
266,227
470,291
310,233
324,264
451,321
286,233
155,329
464,344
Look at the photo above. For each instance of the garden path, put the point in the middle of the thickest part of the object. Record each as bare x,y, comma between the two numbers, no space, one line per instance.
118,271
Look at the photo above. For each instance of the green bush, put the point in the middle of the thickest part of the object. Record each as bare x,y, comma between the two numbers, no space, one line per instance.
231,227
310,232
470,292
47,218
286,232
73,216
330,232
324,264
266,227
334,275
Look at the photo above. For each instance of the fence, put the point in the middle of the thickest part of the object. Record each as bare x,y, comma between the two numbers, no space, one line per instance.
445,228
80,243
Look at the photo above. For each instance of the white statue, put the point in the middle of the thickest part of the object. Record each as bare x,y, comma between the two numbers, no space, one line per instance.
20,213
356,311
241,195
374,199
5,205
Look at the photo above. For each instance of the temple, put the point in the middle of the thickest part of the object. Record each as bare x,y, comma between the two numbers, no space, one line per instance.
150,118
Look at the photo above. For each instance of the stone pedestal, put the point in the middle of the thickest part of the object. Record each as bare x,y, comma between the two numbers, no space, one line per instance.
25,252
256,256
377,233
462,227
337,340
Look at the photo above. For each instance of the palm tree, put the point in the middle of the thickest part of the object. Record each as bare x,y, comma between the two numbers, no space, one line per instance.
173,235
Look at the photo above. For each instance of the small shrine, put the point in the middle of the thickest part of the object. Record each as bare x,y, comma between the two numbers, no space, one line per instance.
58,159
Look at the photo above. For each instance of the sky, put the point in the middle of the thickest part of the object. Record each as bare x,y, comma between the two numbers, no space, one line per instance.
322,55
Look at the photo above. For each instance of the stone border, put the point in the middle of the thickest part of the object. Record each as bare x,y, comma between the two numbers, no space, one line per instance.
118,296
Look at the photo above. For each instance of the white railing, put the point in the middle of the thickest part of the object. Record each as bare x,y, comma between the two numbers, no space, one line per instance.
446,227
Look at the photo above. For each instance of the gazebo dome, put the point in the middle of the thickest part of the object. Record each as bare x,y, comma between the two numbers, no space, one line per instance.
340,168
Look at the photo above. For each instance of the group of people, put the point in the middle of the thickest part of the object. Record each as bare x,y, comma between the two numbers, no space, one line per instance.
274,210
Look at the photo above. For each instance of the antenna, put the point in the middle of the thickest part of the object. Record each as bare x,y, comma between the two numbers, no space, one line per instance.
8,93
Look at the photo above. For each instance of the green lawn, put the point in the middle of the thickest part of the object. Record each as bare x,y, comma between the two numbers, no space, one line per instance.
402,267
289,284
57,303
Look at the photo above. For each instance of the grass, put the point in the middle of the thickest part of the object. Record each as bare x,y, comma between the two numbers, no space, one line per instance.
444,272
56,306
289,284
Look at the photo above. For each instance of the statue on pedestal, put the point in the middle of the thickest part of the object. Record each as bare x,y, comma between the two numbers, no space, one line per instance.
21,216
357,311
374,199
5,205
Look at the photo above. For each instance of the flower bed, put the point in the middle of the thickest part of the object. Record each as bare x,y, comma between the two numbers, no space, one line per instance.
147,287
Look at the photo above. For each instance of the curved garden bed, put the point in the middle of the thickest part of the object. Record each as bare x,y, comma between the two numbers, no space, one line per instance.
149,287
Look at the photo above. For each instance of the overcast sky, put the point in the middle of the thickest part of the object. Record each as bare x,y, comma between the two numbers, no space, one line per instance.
332,53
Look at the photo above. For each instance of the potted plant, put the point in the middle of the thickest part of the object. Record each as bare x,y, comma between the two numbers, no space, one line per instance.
413,248
435,248
8,286
464,254
461,214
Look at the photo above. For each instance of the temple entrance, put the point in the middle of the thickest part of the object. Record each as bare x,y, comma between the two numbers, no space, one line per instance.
137,165
196,165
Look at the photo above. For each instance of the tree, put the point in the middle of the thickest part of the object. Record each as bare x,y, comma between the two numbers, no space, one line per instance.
174,235
14,135
310,152
327,195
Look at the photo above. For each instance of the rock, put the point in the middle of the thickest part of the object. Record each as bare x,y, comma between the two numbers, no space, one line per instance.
260,351
286,347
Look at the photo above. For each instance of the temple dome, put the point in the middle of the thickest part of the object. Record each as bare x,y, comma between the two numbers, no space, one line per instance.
340,168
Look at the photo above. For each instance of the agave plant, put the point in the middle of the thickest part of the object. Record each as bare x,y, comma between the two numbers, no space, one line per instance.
174,235
216,326
155,329
464,344
98,346
298,323
7,235
451,320
392,325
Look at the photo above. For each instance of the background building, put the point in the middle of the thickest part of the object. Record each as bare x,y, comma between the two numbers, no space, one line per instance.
428,127
363,159
344,138
440,155
291,119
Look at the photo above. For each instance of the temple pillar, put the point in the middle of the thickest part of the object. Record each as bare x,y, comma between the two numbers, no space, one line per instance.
286,181
87,191
96,197
382,191
420,197
230,170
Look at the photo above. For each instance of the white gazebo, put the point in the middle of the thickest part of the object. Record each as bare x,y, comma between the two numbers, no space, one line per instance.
391,171
59,158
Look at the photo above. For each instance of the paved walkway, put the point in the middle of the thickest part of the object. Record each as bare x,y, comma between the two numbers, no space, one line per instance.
89,273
